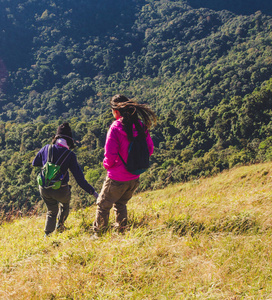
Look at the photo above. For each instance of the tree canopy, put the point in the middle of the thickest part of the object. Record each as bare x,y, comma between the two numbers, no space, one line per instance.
205,72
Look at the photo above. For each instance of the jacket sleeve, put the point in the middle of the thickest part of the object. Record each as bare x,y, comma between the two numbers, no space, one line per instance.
111,148
38,160
150,143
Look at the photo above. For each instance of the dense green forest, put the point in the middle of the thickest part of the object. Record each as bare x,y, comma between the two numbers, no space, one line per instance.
237,6
206,72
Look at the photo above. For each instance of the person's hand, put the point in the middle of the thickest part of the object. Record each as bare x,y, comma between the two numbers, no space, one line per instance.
95,194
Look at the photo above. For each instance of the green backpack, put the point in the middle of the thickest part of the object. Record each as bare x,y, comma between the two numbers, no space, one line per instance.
50,171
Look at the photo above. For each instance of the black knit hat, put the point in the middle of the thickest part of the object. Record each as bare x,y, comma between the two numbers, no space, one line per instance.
64,131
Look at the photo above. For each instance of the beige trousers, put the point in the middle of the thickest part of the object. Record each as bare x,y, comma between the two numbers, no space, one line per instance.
114,194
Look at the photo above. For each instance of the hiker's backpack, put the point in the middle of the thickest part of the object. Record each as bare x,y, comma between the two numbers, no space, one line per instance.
50,175
138,156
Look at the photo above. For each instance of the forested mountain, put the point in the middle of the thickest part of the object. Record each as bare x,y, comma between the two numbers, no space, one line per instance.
206,72
60,55
243,7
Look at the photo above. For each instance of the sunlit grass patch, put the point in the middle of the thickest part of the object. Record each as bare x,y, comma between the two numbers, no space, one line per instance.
241,223
207,239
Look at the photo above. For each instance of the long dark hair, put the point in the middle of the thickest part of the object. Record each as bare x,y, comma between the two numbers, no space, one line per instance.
130,111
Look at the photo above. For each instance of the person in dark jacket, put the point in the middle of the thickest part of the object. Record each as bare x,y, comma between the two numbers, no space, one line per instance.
58,200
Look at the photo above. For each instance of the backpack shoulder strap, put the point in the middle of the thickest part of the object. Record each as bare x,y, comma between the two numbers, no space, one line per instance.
129,148
122,159
67,152
50,153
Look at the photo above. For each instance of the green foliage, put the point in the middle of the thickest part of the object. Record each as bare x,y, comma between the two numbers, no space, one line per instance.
265,149
187,145
236,6
69,59
206,74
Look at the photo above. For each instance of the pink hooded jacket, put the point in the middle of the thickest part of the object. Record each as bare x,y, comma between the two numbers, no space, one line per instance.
117,142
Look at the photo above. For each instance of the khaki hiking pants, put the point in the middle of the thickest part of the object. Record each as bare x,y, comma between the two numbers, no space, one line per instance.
114,194
57,202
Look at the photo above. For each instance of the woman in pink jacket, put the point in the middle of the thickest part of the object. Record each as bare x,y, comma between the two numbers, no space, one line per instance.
120,184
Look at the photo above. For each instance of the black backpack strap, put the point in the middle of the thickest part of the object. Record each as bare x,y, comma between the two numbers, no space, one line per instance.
128,150
50,153
67,152
50,156
122,159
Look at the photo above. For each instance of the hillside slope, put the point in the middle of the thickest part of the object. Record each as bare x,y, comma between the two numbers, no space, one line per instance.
205,239
62,59
207,75
237,6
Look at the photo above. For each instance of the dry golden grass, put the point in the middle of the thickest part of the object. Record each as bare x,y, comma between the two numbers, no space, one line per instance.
207,239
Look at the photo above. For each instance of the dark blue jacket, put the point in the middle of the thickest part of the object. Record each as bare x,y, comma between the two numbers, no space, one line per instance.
69,163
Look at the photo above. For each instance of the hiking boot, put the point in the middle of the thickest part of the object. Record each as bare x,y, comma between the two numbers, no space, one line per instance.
60,227
46,234
120,228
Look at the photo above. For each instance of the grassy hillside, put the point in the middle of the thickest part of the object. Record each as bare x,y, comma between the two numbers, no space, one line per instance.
205,239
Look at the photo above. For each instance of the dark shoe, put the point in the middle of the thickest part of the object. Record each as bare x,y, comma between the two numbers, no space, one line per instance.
120,228
46,234
60,227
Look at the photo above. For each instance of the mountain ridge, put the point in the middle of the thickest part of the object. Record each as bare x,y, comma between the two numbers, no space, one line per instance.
58,58
235,6
206,74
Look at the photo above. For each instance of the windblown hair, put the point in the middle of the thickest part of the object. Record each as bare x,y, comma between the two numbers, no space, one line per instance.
131,111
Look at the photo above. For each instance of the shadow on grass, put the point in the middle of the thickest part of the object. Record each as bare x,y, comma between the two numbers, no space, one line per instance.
238,224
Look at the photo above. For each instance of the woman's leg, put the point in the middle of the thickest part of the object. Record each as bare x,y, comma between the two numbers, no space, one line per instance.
120,207
113,192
